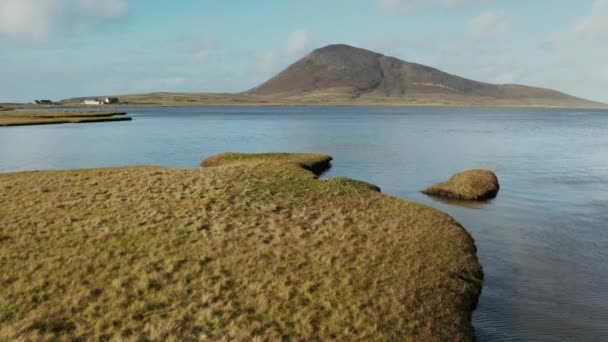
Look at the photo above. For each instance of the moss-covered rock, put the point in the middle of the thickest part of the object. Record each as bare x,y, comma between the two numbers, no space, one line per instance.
472,185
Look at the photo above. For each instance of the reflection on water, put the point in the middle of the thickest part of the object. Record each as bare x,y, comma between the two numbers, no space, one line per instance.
543,241
461,203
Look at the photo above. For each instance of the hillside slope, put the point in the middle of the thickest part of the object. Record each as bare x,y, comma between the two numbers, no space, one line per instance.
342,72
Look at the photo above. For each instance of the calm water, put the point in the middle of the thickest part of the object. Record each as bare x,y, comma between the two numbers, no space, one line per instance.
543,242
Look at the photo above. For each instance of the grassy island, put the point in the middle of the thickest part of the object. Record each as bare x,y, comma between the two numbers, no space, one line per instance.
13,118
471,185
249,247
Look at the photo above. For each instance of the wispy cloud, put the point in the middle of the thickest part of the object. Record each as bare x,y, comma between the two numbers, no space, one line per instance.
201,54
34,21
298,41
486,26
572,60
581,51
266,63
101,8
593,27
407,6
604,71
198,47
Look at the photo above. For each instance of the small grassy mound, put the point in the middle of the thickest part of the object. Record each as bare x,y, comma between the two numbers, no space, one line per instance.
12,118
472,185
255,247
316,163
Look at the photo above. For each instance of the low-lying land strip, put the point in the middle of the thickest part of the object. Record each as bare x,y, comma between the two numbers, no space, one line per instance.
251,246
328,98
16,118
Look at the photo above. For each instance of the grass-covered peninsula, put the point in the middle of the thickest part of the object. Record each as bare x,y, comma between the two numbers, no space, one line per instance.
22,118
250,246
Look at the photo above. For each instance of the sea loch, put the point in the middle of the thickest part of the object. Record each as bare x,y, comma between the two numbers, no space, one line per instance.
542,241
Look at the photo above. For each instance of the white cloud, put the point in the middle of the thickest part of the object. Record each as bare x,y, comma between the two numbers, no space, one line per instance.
486,26
270,62
266,63
199,47
201,54
37,20
507,77
591,31
594,26
580,53
604,72
104,8
298,41
573,60
406,6
171,83
23,17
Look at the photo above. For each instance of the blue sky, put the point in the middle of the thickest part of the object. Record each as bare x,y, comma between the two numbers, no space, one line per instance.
65,48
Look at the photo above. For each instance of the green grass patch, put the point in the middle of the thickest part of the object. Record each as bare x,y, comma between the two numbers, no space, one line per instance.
472,185
254,247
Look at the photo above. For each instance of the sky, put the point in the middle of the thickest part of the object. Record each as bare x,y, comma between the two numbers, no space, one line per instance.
57,49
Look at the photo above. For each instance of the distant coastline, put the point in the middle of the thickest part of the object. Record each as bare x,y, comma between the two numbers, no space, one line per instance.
240,100
342,75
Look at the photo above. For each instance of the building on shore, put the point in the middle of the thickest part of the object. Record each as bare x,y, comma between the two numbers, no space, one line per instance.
92,102
43,102
97,102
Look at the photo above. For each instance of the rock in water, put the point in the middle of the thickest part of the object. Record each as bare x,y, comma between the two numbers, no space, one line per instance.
472,185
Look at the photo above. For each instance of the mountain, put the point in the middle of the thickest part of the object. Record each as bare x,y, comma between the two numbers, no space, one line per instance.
338,73
345,75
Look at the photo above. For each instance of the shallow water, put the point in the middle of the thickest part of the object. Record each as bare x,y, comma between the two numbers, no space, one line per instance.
543,242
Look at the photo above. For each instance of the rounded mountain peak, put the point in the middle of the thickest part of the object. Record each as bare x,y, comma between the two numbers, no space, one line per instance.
342,54
335,67
343,49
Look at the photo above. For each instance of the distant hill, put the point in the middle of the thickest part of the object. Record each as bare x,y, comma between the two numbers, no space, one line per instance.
346,75
339,72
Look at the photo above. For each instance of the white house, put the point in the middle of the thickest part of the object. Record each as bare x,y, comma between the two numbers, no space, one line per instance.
92,102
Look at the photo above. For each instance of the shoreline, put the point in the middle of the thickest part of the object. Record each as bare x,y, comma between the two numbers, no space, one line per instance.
17,118
164,99
245,242
297,105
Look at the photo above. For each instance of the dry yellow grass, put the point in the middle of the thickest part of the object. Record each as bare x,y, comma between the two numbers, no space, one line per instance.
12,118
472,185
251,248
